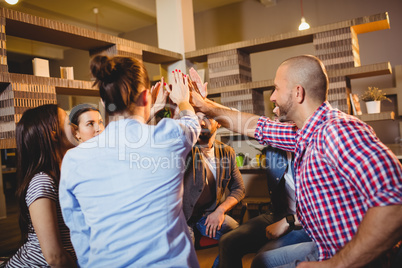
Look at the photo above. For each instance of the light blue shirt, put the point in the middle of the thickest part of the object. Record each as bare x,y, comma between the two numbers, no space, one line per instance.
121,195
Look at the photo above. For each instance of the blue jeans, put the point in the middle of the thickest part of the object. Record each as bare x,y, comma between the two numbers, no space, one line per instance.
228,224
287,257
250,238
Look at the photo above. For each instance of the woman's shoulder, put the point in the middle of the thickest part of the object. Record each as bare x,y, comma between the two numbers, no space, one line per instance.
41,178
167,128
41,186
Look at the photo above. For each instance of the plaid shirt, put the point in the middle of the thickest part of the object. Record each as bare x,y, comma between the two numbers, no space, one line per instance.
342,169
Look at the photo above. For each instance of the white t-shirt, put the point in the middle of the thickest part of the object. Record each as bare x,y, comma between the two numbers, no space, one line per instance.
209,154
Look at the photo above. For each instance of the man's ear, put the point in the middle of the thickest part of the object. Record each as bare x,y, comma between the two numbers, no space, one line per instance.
300,94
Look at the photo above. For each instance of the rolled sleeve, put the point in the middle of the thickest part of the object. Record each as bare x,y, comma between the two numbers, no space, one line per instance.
276,134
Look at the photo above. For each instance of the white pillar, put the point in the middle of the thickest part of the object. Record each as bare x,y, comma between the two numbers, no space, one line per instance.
175,23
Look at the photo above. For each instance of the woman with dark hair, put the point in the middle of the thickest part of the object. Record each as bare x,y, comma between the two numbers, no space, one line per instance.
122,200
43,136
86,121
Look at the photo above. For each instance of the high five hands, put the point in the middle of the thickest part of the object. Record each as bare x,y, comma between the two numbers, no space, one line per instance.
178,91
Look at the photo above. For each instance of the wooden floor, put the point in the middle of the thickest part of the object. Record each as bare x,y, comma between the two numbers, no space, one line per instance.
206,257
10,238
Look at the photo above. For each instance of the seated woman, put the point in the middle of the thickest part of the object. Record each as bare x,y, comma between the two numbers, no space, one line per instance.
43,136
122,200
86,121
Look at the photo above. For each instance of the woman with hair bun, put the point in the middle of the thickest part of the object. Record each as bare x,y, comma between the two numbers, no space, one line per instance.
122,200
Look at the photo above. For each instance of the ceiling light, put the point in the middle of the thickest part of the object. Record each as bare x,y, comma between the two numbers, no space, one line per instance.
303,25
12,2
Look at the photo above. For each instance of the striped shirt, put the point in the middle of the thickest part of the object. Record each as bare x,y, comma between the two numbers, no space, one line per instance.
342,169
30,254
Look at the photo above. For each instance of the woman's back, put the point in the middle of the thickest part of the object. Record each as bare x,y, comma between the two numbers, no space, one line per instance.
130,186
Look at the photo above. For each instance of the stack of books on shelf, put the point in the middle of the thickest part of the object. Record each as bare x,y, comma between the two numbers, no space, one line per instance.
232,67
338,49
228,68
17,98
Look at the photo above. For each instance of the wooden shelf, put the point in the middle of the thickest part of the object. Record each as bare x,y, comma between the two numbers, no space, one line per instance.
63,86
257,85
8,170
360,25
356,72
7,143
45,30
377,117
22,91
363,71
251,170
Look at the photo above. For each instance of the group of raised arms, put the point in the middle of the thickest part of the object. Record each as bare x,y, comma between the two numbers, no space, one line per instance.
96,196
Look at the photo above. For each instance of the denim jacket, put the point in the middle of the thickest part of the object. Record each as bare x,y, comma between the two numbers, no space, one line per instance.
276,166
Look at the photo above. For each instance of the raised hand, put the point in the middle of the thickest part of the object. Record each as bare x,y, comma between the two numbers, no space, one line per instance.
158,93
195,77
180,90
197,101
159,97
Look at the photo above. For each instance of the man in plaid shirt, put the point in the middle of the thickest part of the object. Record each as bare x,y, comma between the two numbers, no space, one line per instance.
348,184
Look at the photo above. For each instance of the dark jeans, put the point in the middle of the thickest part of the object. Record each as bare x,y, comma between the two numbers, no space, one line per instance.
286,257
250,238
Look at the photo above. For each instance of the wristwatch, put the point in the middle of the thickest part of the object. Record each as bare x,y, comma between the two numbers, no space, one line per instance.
290,219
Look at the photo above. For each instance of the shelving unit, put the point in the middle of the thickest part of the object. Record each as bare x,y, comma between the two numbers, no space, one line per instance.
19,92
335,44
377,117
351,73
360,25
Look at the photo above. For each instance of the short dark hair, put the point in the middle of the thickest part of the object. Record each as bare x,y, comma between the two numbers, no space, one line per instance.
120,81
310,73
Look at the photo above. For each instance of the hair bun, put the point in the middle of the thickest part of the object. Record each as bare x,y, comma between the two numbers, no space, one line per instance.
103,68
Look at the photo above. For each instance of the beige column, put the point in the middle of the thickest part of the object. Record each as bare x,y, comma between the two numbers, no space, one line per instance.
175,23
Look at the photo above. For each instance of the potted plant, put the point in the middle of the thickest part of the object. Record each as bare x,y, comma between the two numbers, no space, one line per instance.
373,97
